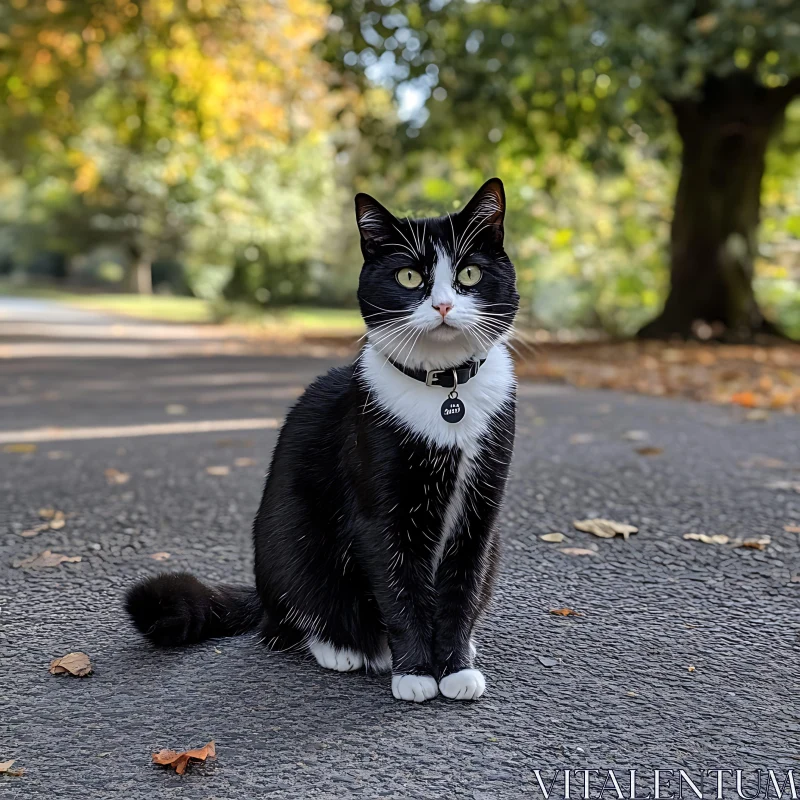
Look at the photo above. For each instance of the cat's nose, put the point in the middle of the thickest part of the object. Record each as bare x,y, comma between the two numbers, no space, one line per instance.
444,309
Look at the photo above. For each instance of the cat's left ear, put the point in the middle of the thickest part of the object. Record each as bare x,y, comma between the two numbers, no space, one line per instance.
375,223
487,208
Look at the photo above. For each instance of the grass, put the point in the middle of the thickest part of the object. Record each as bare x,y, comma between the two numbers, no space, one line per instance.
194,310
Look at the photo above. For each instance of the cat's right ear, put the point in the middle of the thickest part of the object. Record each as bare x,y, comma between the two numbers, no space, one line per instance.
375,224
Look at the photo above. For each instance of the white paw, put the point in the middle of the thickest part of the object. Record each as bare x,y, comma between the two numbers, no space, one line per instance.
337,658
414,688
466,684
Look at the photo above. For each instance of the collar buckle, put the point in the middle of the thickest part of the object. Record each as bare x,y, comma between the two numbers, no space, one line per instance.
433,375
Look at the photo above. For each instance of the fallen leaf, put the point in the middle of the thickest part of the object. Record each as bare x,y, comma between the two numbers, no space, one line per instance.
7,769
45,559
58,522
245,461
19,448
176,409
755,544
114,476
47,513
636,436
649,451
179,761
605,528
745,399
792,528
632,694
691,668
76,664
790,486
35,531
577,551
547,661
160,556
717,538
552,537
581,438
565,612
757,415
219,470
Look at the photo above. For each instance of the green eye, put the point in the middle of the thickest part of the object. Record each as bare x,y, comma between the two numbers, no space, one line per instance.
409,278
470,275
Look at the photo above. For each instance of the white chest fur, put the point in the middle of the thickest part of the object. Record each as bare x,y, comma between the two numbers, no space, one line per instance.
417,407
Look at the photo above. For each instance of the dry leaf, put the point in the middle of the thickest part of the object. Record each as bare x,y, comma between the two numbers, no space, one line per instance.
763,462
649,451
7,769
552,537
636,436
47,513
581,438
114,476
565,612
792,528
45,559
175,409
717,538
179,761
755,544
35,530
219,470
19,448
160,556
605,528
691,668
577,551
76,664
788,486
745,399
245,461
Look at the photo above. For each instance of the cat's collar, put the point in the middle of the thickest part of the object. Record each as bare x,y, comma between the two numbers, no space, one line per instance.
449,378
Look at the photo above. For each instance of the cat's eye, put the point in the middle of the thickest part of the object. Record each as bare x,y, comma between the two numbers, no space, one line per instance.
470,275
408,278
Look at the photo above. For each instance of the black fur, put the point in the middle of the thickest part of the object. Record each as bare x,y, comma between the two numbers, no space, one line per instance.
345,535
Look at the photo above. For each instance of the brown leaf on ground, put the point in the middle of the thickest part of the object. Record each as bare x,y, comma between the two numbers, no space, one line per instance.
552,537
605,528
55,522
792,528
115,477
35,530
159,556
179,761
245,461
45,560
755,544
220,470
23,447
47,513
716,538
577,551
6,768
76,664
649,451
565,612
690,668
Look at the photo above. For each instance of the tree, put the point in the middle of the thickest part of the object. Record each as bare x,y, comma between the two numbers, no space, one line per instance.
153,117
599,76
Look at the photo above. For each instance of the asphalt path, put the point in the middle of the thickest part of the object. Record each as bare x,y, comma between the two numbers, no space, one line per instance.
686,655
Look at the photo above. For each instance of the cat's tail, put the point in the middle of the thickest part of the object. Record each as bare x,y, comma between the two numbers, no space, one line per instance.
177,609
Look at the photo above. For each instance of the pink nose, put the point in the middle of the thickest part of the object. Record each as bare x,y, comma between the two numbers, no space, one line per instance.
444,309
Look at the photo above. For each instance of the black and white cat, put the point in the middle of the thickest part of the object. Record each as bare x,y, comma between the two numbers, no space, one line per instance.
375,540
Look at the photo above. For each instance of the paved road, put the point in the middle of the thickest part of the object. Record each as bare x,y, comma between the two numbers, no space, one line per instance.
620,695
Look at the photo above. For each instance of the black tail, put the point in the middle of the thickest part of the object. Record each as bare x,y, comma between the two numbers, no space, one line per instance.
176,608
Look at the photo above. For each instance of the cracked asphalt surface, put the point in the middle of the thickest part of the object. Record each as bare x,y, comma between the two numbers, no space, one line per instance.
620,695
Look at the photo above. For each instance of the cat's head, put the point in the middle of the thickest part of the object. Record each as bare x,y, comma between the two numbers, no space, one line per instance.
436,292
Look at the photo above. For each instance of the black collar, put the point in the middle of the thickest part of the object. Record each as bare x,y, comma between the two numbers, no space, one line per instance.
442,377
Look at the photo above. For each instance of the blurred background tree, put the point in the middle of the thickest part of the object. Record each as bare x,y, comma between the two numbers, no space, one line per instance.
213,147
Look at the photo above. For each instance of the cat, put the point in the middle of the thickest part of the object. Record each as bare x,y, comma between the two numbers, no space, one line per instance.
375,540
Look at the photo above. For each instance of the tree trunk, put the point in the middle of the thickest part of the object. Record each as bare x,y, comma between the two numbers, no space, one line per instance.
716,215
140,272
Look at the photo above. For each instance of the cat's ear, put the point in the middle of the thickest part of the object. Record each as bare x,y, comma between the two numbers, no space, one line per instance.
487,209
375,223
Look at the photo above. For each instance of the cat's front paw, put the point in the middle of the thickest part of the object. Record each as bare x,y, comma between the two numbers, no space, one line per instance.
414,688
466,684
